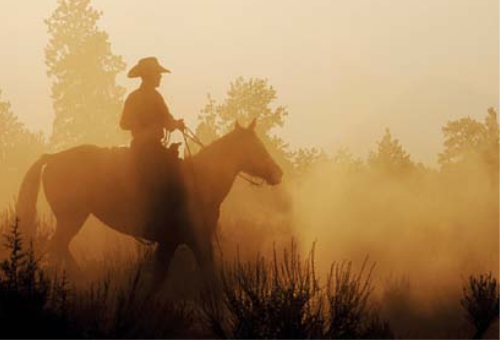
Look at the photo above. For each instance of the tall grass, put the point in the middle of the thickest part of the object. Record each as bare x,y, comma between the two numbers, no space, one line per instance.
283,299
480,301
31,305
36,305
278,296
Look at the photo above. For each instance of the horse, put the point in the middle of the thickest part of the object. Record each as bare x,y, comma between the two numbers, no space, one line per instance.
87,180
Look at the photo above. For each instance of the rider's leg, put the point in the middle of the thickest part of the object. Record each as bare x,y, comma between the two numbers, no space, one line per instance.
162,260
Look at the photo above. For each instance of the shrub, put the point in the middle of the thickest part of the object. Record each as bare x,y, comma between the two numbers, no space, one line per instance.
28,296
283,299
350,314
52,308
480,301
105,310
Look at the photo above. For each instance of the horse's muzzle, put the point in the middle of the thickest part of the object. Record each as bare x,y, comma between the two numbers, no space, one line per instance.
275,176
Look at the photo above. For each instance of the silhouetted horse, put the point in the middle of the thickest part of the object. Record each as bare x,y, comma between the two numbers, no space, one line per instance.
90,180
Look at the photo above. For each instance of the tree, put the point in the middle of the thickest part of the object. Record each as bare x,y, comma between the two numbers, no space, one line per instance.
86,100
18,148
491,148
467,140
246,100
463,139
10,129
344,160
306,158
390,157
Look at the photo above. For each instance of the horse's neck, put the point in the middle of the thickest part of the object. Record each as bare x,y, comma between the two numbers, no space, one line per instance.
215,169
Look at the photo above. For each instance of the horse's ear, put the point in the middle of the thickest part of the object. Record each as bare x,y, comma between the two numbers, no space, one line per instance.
237,125
252,124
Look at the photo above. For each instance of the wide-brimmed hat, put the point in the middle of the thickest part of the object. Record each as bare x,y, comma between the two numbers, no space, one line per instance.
147,66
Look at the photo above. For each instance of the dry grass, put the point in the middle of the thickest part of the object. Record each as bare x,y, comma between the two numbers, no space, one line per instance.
283,298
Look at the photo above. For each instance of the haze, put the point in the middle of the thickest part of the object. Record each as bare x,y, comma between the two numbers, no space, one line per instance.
345,69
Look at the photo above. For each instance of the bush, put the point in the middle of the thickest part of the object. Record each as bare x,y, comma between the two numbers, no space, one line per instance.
480,301
28,296
51,308
131,311
350,314
283,299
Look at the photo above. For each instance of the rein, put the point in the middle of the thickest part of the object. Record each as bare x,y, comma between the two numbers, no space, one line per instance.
188,133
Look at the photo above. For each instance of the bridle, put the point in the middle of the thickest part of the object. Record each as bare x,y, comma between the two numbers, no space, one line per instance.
187,133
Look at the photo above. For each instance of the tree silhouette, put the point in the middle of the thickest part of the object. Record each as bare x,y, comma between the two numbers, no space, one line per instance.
491,150
390,157
469,141
246,100
305,158
18,148
10,129
86,100
344,160
463,139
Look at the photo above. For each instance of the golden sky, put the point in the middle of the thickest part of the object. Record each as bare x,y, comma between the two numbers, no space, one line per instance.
345,69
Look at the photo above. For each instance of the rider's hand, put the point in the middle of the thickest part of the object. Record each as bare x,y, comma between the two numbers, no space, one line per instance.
179,124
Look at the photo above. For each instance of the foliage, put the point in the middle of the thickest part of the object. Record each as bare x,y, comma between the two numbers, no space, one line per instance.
480,301
306,158
53,308
86,99
27,294
283,300
246,100
18,147
467,139
105,310
344,160
390,157
267,300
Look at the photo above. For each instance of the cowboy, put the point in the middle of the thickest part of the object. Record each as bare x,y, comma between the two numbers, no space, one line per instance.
145,112
146,116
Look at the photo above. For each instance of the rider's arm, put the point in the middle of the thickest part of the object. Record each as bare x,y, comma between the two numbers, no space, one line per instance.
169,121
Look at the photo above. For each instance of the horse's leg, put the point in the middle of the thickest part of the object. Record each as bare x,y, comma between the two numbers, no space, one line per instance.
67,227
162,259
204,255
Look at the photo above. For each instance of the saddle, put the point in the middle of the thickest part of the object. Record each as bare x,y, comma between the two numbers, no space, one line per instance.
152,165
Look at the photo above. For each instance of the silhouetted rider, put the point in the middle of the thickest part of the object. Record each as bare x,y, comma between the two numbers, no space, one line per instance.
146,115
145,112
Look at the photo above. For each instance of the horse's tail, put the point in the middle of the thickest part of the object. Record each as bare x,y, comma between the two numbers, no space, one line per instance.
27,197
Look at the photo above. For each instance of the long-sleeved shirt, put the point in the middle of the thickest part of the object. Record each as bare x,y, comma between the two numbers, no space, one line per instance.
145,114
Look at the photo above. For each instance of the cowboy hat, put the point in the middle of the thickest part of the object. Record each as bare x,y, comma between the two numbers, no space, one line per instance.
146,66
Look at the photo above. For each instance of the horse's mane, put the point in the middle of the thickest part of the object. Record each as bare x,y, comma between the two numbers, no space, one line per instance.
214,148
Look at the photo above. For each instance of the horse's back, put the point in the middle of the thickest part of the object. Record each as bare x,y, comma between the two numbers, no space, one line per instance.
105,182
86,175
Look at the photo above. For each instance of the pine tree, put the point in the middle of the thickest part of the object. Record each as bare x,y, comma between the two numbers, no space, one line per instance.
19,147
469,141
10,129
86,99
390,157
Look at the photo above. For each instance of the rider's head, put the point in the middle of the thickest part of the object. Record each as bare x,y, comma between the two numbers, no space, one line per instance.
152,79
149,70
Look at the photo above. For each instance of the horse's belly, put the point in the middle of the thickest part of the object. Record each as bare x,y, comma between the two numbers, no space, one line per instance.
122,211
84,185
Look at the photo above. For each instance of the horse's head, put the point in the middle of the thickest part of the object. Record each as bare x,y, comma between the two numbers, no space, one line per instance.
255,160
